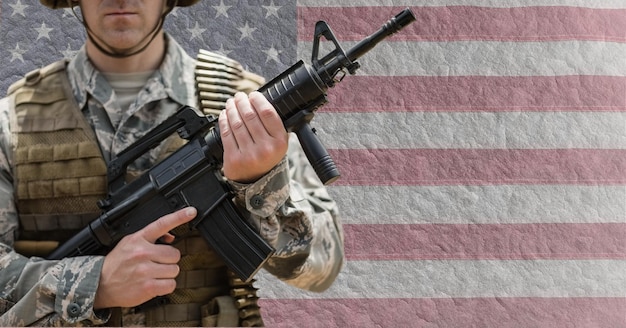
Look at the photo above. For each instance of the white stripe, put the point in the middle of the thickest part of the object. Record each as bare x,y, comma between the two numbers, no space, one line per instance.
450,278
504,204
487,58
617,4
474,130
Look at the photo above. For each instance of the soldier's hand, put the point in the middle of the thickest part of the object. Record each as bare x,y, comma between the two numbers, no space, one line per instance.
253,136
137,269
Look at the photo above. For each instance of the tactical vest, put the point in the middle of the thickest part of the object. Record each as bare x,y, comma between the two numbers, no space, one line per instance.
60,175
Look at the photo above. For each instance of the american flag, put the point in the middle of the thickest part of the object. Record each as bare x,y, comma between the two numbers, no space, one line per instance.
482,152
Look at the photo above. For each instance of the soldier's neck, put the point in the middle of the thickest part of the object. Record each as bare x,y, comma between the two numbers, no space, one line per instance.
148,59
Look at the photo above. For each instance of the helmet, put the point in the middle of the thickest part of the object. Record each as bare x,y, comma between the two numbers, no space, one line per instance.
64,3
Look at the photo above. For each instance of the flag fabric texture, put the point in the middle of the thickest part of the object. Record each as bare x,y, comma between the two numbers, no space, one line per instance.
482,152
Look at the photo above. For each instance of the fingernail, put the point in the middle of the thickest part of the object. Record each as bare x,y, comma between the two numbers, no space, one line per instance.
191,211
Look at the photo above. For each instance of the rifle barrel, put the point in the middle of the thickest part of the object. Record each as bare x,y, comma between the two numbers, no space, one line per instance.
392,26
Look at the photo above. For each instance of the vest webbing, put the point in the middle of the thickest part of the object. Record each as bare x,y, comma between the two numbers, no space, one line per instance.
59,171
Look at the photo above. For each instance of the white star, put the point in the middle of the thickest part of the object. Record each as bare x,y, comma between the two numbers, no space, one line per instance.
69,53
246,32
272,10
223,51
272,54
18,8
196,31
43,31
17,53
221,9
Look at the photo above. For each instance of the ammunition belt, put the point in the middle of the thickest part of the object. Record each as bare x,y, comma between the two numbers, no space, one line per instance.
219,78
246,301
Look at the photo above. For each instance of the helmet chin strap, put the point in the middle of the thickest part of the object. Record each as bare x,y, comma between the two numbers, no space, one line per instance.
106,49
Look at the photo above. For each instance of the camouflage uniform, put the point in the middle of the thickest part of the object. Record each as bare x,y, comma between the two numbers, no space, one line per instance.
297,217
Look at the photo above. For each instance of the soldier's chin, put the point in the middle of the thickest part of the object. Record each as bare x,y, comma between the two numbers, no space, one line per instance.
122,44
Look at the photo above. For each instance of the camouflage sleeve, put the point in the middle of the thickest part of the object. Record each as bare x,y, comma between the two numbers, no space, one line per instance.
49,293
34,291
293,211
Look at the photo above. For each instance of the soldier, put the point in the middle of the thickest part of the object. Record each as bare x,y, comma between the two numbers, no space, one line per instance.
59,126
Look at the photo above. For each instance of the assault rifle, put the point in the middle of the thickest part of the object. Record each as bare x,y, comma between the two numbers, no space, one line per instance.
189,177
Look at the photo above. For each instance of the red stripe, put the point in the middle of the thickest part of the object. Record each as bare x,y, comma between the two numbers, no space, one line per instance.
446,312
478,93
454,23
479,166
485,241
